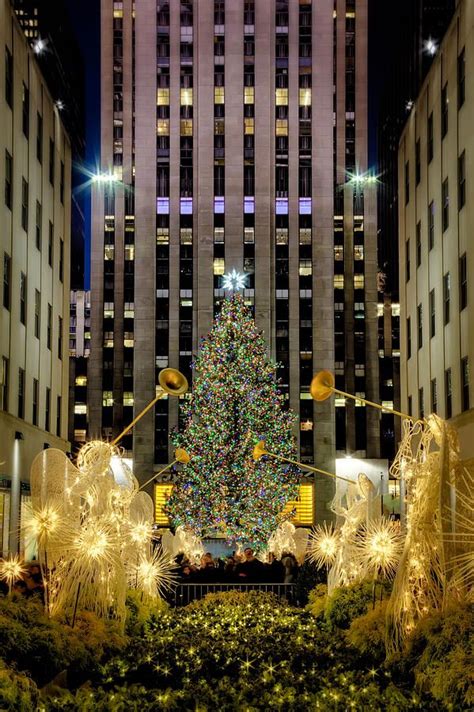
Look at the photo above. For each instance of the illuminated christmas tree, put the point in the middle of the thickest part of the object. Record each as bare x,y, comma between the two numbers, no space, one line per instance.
234,404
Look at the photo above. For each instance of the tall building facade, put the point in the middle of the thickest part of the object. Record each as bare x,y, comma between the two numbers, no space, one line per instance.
408,43
435,166
35,219
234,135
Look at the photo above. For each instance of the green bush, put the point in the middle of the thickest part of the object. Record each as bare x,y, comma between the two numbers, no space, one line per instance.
317,600
441,651
367,634
141,611
347,603
32,642
17,692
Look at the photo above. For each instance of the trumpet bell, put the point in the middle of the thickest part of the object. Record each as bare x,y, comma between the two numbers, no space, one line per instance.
173,382
259,450
322,385
181,455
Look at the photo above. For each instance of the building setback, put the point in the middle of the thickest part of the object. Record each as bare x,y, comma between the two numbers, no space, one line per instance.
435,167
35,220
232,133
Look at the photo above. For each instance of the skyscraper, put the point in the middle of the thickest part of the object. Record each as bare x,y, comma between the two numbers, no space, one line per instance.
234,137
408,44
35,231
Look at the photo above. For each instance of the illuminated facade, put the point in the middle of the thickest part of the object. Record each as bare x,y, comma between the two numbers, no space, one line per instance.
259,121
35,226
435,248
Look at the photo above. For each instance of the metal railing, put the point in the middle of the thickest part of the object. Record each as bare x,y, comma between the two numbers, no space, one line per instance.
185,593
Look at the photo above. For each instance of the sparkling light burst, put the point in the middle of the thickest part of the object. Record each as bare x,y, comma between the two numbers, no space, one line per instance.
11,570
156,575
234,281
379,547
323,545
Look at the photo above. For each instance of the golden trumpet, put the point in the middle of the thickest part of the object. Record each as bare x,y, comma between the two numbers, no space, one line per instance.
171,382
260,450
180,455
323,385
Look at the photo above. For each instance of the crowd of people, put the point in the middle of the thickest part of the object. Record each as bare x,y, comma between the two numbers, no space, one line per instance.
239,568
30,583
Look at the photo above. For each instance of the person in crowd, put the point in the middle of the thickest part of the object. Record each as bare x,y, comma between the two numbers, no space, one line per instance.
208,572
290,566
186,573
251,570
229,569
274,569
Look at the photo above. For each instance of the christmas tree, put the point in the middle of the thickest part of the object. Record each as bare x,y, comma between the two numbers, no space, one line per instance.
234,404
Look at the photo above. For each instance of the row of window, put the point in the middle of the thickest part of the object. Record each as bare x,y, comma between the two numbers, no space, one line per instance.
446,306
23,305
4,394
448,392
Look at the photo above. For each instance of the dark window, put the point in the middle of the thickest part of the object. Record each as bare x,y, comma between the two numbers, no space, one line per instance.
421,403
60,337
419,321
410,405
39,220
4,381
58,417
463,282
418,244
8,180
434,396
448,392
444,110
8,77
418,162
407,260
446,297
7,266
431,221
47,410
35,401
461,180
465,383
25,110
37,313
432,314
445,201
21,393
51,161
461,78
23,297
49,326
24,204
39,137
61,183
408,337
430,144
407,182
61,259
50,243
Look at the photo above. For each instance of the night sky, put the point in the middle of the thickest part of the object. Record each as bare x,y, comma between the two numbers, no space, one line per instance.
85,18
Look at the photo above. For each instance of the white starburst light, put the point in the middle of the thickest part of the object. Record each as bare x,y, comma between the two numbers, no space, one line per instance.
234,281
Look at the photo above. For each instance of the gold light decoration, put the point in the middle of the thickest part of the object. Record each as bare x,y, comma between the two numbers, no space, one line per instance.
12,570
379,547
155,575
323,545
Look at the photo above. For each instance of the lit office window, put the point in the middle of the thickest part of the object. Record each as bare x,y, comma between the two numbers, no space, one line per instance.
281,127
281,97
162,97
163,127
107,399
186,97
338,281
359,281
219,265
249,95
219,95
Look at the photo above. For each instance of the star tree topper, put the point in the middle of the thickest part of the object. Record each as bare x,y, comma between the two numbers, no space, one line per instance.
234,281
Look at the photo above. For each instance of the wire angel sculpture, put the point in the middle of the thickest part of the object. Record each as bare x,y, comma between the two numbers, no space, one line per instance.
436,562
93,529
